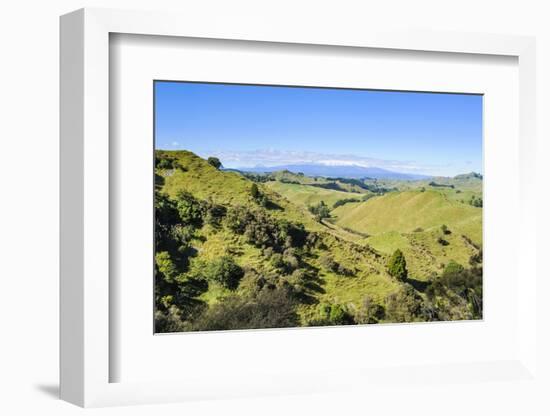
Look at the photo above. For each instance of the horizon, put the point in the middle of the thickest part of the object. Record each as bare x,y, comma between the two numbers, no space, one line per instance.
418,133
253,169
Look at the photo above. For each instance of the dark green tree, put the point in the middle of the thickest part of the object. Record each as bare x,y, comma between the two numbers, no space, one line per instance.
397,265
320,211
254,191
189,209
214,161
339,316
225,271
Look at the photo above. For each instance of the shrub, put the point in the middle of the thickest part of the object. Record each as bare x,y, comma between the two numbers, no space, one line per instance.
452,268
445,229
340,316
397,265
261,230
457,293
165,266
344,201
164,162
254,191
189,209
332,314
369,312
270,308
225,271
328,262
476,202
476,258
214,213
442,241
166,216
166,212
214,161
404,305
320,211
181,235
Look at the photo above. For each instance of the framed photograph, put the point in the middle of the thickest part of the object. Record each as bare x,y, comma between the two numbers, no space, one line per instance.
362,206
266,211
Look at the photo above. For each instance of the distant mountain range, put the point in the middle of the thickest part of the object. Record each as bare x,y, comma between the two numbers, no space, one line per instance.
336,171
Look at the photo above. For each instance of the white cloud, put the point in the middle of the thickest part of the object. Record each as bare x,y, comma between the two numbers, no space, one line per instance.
272,157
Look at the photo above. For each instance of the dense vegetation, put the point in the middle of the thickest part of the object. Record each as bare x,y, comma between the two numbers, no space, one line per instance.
242,251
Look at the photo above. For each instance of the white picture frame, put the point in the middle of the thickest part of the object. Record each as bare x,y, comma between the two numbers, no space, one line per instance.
85,211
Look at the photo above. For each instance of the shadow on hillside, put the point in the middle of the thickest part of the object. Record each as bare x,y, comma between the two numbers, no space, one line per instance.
273,206
419,285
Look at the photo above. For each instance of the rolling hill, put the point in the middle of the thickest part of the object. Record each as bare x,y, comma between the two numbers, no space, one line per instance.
406,211
229,242
306,195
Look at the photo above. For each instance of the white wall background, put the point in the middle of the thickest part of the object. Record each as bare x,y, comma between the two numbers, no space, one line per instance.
29,205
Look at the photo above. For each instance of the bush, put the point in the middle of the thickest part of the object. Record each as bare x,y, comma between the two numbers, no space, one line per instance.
214,213
344,201
339,316
397,265
370,312
165,266
442,241
261,230
214,161
477,258
270,308
452,268
165,162
328,262
189,209
320,211
166,216
331,265
476,202
404,305
457,293
445,229
254,191
181,235
332,314
225,271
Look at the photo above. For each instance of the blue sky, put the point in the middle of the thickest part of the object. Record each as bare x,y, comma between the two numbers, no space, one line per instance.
245,126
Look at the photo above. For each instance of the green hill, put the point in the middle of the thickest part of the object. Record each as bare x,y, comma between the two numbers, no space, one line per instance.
236,251
407,211
411,221
306,195
343,271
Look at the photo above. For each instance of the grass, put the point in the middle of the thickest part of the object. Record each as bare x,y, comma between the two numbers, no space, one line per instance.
406,211
360,236
306,195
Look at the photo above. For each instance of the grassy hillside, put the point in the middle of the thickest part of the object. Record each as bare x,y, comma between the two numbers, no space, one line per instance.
307,195
236,251
407,211
287,177
411,221
196,176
